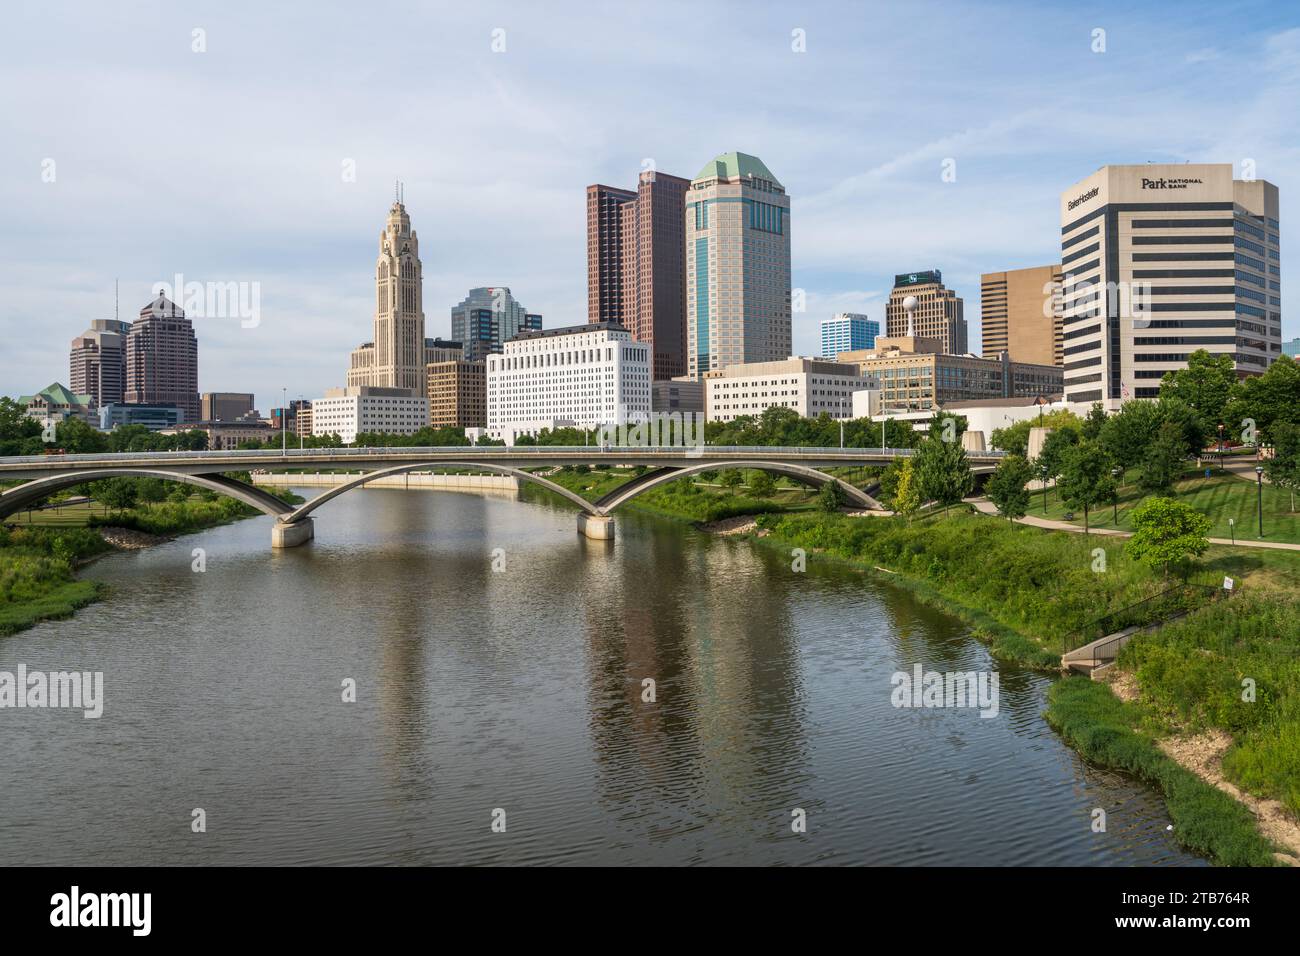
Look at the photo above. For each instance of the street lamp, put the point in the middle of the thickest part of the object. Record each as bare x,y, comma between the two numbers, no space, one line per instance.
1042,470
284,418
296,423
1114,495
1259,484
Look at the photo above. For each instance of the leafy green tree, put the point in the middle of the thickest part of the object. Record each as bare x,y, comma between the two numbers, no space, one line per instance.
1128,433
1006,486
1206,383
117,494
907,499
1054,448
1164,461
732,479
152,490
830,497
1092,425
941,470
77,437
1167,533
1283,469
1015,438
762,485
1266,400
889,479
1085,479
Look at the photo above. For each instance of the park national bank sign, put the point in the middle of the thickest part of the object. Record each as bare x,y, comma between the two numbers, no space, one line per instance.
1163,183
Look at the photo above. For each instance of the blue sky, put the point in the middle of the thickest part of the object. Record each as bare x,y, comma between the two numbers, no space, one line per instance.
226,165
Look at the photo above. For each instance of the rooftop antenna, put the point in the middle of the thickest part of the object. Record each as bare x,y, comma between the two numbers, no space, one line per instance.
116,303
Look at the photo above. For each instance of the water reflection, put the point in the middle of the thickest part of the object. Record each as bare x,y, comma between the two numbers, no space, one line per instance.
521,689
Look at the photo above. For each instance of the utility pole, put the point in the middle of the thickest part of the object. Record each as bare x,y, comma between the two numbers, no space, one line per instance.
284,420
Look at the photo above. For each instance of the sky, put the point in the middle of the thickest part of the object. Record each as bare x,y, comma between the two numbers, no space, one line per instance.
214,140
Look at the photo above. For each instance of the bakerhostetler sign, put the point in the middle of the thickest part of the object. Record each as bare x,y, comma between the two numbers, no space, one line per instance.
919,278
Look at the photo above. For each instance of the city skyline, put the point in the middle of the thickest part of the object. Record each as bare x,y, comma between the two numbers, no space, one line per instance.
865,206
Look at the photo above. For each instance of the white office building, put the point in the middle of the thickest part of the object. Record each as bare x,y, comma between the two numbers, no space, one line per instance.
585,375
360,409
809,386
1161,260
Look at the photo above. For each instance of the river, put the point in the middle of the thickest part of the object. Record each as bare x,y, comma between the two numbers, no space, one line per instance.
520,690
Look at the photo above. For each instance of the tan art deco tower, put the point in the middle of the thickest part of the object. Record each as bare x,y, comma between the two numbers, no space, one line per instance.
395,358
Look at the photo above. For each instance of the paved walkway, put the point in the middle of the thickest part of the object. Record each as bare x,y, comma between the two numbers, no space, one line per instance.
984,506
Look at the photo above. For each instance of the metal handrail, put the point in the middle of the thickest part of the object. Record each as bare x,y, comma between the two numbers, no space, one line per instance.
1105,625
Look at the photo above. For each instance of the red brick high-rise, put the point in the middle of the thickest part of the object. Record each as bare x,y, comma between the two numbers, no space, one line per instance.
162,359
636,265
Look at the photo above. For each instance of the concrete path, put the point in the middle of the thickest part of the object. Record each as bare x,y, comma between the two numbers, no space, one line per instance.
984,506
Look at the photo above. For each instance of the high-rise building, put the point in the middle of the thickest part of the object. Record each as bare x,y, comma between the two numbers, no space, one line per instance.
1020,314
1161,260
847,332
486,318
737,265
394,358
97,362
939,313
1291,347
457,394
648,276
162,359
226,406
605,252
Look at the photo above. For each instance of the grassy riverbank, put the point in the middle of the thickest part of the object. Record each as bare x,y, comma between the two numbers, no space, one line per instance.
37,574
40,552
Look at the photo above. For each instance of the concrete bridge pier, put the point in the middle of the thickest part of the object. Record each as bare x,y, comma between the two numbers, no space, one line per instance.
597,527
291,534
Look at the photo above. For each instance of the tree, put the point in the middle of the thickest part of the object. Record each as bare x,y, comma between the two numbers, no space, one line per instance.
889,479
1006,486
1266,400
1206,383
1085,478
1163,464
1283,469
731,479
76,437
941,471
907,499
1015,438
1167,533
761,485
1093,424
152,490
830,497
118,494
1054,447
1128,433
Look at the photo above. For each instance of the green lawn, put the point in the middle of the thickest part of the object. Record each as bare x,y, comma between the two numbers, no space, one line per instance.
65,516
1221,496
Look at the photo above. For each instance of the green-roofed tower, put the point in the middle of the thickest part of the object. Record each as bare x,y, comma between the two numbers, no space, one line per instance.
737,265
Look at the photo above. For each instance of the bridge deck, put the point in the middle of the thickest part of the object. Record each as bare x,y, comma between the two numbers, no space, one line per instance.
370,459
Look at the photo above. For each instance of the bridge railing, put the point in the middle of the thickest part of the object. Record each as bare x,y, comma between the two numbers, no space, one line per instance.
522,453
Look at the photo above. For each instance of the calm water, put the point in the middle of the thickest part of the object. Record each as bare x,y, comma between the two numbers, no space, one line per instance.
521,690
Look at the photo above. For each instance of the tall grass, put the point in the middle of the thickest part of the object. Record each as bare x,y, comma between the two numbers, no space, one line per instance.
36,574
1106,731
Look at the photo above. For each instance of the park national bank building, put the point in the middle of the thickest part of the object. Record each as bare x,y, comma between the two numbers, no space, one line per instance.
1160,260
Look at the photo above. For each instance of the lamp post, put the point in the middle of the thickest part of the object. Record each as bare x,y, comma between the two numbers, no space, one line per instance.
297,424
1042,470
1259,484
284,420
1114,495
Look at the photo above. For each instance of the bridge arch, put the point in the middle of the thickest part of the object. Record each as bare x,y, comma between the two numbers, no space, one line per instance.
16,499
305,510
661,476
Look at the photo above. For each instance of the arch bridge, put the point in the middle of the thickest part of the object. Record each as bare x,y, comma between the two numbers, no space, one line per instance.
43,475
